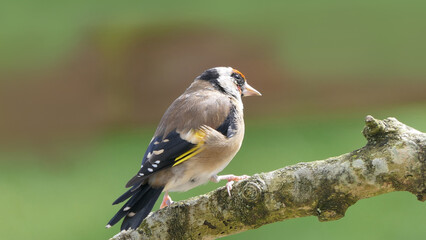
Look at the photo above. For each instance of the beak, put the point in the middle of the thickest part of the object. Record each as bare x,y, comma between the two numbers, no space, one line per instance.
250,91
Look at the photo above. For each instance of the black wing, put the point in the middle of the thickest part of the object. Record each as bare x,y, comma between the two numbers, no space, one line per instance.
229,127
162,153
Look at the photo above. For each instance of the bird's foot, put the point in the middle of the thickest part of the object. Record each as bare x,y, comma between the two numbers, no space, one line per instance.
230,178
167,200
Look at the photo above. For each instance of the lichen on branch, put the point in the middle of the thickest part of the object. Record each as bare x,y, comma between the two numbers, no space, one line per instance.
394,159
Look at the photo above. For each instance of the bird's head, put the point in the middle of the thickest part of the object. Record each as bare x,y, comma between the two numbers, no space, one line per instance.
229,81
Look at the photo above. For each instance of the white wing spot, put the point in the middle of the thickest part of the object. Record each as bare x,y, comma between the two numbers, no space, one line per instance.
154,165
150,169
149,155
108,226
155,143
157,162
166,140
141,174
131,214
126,209
158,152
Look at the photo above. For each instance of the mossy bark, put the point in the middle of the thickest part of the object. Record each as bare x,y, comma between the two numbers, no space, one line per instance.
394,159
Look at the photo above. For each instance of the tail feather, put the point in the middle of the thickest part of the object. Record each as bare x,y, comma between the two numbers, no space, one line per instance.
137,208
142,209
117,217
137,195
126,195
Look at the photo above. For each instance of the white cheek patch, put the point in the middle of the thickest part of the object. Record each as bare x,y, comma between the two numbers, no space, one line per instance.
230,87
227,82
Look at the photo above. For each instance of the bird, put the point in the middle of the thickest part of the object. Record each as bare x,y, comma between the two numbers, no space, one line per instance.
197,137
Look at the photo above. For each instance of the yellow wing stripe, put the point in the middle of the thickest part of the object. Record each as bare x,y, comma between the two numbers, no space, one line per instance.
186,153
200,135
196,150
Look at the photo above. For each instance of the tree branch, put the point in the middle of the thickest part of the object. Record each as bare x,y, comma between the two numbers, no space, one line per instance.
394,159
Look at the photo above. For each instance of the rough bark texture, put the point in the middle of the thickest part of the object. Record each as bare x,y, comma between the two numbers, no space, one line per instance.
394,159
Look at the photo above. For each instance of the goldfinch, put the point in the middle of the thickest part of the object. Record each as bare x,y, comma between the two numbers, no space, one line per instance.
196,139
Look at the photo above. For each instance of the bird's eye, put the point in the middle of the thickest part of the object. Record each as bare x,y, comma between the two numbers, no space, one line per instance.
239,79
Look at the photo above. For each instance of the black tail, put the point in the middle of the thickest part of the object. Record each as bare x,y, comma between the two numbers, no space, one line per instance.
137,208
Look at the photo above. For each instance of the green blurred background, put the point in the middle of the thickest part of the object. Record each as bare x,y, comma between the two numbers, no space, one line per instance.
84,83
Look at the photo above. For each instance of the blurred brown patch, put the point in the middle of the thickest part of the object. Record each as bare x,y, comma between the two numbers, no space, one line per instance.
121,78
